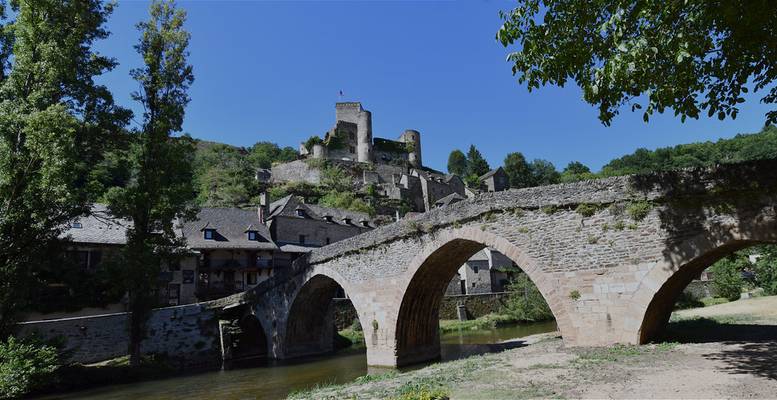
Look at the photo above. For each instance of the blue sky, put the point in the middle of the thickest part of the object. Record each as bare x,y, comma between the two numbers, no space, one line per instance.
271,71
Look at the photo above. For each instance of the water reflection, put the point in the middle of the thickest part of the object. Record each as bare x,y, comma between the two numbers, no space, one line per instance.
261,379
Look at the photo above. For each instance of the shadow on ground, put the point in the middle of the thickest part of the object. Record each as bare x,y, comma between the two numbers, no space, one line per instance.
756,345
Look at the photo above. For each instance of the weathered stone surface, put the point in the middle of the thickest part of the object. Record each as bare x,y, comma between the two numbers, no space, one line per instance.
187,334
610,256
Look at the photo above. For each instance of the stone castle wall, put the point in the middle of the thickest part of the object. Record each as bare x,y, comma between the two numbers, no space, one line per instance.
188,335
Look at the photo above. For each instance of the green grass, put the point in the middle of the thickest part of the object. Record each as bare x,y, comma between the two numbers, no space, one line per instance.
620,352
711,301
489,321
356,337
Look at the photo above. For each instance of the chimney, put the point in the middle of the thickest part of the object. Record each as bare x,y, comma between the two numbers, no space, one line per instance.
262,210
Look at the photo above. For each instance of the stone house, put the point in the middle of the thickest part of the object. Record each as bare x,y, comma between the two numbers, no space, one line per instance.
235,249
488,271
96,238
495,180
298,227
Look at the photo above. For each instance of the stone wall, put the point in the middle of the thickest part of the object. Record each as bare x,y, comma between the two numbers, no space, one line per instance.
296,171
477,305
188,335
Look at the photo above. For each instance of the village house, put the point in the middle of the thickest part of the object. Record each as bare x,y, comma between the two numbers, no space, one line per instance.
488,271
230,249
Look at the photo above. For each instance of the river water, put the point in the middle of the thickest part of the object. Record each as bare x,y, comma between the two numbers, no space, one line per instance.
274,380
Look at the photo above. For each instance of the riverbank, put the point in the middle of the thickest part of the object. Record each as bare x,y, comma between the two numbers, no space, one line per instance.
722,351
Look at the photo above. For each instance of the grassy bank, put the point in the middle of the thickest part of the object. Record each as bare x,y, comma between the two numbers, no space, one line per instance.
489,321
488,376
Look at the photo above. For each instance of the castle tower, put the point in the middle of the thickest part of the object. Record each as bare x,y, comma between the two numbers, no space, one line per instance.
364,137
413,138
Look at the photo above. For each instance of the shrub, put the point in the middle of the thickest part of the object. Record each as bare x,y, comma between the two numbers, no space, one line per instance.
525,302
356,326
346,200
727,276
26,366
765,269
639,210
586,210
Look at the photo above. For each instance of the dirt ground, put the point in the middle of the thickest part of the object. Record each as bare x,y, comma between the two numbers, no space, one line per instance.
724,351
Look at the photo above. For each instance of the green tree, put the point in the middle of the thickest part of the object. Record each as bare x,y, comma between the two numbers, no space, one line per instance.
224,176
457,163
518,171
525,302
25,366
264,154
743,147
476,164
543,172
765,268
690,56
727,276
161,190
576,171
54,124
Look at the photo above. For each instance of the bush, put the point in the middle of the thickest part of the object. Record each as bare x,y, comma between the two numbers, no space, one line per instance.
727,276
26,366
765,269
525,302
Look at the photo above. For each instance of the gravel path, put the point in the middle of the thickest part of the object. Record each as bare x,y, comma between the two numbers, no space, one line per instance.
721,365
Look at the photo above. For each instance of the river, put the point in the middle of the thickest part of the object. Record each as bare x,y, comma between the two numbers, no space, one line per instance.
274,380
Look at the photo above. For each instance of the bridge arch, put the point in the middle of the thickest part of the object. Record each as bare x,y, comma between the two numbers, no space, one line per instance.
309,326
660,289
251,341
417,325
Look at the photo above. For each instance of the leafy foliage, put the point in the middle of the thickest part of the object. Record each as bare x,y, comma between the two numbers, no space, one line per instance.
25,366
161,191
727,276
743,147
525,302
55,123
457,163
576,171
543,172
690,56
518,170
765,268
347,201
476,164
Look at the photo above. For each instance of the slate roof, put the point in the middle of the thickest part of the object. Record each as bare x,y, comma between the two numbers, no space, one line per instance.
231,227
289,205
480,256
100,227
491,173
449,199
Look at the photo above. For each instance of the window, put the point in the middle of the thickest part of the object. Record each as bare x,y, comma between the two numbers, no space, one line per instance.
300,212
76,225
251,235
251,278
475,268
353,149
301,239
209,234
328,241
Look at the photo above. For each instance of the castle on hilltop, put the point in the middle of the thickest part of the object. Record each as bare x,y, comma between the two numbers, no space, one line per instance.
389,168
351,140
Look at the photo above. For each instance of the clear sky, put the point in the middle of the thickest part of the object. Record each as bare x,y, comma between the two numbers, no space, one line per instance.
271,71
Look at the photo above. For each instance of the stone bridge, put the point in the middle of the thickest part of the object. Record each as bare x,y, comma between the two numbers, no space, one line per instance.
610,256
